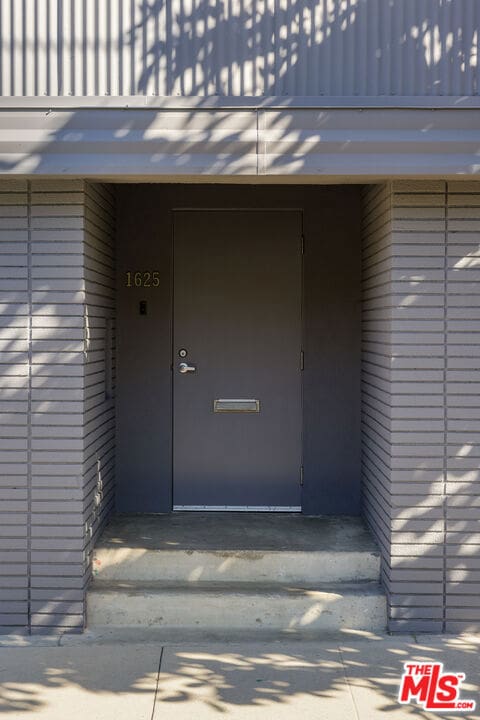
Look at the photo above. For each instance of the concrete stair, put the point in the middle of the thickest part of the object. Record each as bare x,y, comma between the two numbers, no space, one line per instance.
238,606
191,566
308,575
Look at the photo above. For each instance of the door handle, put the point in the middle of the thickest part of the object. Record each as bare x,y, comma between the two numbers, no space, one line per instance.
186,368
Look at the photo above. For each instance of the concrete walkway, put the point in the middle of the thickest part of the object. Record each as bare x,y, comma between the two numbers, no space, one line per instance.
143,677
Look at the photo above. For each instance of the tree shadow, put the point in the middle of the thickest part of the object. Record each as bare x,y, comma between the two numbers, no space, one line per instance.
253,47
300,48
327,678
304,48
424,337
195,67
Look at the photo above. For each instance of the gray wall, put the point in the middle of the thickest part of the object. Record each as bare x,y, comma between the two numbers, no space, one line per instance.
377,367
421,399
56,476
332,339
99,367
294,47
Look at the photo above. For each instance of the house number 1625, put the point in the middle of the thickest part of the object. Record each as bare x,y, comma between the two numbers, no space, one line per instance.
142,278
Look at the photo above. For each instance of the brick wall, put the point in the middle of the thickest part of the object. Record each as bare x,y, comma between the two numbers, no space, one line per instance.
46,453
421,442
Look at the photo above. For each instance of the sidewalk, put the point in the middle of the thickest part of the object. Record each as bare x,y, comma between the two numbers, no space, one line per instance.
141,678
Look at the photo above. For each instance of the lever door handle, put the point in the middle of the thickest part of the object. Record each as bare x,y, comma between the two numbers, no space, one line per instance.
186,368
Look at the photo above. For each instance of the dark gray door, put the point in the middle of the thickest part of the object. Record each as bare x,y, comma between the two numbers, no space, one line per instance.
237,316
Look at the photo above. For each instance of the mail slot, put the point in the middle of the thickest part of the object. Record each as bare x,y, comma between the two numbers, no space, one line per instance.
231,405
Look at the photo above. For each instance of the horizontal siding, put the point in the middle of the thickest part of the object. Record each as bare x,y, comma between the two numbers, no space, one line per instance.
418,405
56,438
99,368
462,557
376,368
275,47
15,496
421,364
57,398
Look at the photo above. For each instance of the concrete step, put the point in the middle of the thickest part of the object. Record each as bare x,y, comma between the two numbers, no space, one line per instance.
133,564
220,607
236,547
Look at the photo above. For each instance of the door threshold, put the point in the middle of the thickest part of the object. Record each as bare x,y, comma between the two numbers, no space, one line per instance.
239,508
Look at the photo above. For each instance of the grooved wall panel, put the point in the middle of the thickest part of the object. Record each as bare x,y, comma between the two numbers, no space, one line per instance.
49,233
266,47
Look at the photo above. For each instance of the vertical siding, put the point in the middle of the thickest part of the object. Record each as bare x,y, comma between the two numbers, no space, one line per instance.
223,47
47,242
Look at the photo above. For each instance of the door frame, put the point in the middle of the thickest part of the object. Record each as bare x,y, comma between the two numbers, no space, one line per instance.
190,208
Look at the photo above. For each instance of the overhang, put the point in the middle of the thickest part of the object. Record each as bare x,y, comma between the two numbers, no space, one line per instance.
268,139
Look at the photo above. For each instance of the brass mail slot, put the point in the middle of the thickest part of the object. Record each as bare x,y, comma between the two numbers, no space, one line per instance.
244,406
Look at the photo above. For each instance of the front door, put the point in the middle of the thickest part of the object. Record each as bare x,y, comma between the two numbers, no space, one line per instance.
237,360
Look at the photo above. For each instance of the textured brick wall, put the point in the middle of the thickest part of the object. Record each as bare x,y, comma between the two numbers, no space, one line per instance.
421,437
45,451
